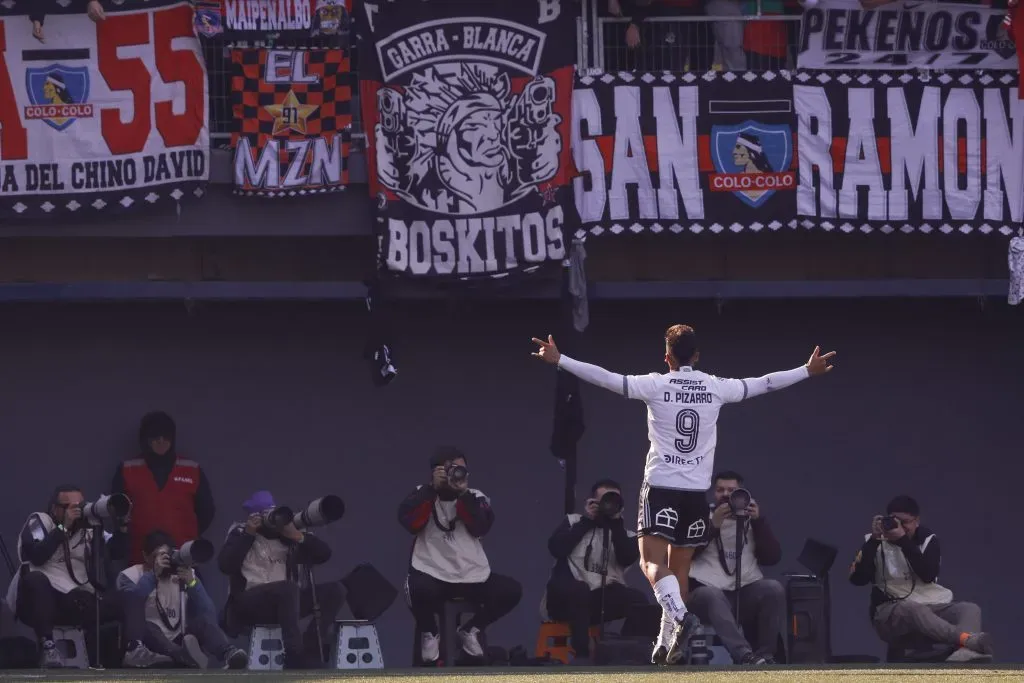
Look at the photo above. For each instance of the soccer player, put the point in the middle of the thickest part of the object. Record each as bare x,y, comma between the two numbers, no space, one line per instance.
682,412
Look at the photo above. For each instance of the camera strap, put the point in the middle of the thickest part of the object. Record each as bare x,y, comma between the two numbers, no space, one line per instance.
449,531
172,627
67,559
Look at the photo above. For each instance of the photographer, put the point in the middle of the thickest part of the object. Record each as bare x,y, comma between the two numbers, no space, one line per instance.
56,583
168,587
262,557
448,560
713,592
900,560
584,566
168,492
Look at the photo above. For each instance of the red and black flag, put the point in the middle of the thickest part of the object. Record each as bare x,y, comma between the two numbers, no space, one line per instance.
293,118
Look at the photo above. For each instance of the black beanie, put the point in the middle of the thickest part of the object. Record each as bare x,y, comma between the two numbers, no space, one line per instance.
154,425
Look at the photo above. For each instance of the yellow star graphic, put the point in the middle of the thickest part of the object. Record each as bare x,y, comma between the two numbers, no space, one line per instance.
290,114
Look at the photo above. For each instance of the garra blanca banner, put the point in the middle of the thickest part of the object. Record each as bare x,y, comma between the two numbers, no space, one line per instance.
283,23
905,34
100,116
292,111
467,109
667,152
910,152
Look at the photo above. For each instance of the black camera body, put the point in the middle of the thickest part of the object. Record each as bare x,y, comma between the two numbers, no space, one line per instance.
739,501
456,473
890,522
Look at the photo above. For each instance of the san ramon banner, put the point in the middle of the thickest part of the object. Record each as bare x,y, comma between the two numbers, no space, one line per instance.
468,111
883,151
101,116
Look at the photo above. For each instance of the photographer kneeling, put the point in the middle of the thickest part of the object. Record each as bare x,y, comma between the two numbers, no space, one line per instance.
713,594
57,582
262,557
592,552
900,560
448,560
181,621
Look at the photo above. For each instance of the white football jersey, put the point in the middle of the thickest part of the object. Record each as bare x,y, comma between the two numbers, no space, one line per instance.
682,424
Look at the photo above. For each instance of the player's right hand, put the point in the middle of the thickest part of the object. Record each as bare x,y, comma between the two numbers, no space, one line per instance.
253,523
818,364
439,478
548,351
590,511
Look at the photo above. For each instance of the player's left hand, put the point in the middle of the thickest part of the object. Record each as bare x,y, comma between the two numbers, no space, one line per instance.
753,510
548,351
819,364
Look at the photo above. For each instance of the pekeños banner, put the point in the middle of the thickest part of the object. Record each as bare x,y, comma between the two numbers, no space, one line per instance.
904,34
101,116
467,109
910,152
684,152
293,117
277,22
733,152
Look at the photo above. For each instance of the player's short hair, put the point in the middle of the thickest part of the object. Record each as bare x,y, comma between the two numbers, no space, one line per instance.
728,475
605,484
681,341
445,454
904,504
156,538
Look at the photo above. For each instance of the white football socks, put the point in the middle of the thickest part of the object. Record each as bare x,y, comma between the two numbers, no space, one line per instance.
668,625
666,592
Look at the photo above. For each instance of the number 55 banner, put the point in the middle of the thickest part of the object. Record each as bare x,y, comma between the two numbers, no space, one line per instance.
101,116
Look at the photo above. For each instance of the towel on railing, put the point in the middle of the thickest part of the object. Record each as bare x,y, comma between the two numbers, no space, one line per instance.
578,286
1016,260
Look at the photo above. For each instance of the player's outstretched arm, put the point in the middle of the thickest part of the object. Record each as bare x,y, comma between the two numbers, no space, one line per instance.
593,374
740,389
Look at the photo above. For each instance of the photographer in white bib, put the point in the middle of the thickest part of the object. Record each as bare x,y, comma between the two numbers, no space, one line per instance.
713,591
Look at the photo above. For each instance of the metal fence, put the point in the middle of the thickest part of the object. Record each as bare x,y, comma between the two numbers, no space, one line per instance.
681,43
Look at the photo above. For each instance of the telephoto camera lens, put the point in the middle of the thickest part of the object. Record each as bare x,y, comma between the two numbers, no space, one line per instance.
610,504
277,518
320,512
111,508
889,523
456,473
739,500
192,553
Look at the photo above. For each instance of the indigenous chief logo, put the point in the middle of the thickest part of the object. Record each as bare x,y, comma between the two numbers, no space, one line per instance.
59,94
329,17
459,140
752,160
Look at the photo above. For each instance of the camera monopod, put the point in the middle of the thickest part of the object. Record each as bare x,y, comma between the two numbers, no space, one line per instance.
741,537
605,556
98,585
317,620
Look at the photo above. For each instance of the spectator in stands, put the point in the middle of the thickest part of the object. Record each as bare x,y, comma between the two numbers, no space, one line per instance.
713,592
57,582
665,45
766,41
187,637
584,565
448,560
900,561
167,491
37,15
262,557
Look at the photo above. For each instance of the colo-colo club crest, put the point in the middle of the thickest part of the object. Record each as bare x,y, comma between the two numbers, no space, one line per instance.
472,130
752,160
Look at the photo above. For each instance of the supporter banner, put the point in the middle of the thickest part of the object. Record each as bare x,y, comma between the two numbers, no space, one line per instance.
101,116
674,152
467,110
905,34
293,120
280,22
894,151
910,152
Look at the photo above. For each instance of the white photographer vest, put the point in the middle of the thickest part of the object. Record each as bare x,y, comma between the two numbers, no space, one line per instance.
455,557
55,569
895,578
172,600
707,567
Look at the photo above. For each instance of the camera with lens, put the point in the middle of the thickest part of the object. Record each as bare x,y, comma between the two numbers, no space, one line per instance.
890,522
739,501
192,553
610,504
107,508
456,473
319,512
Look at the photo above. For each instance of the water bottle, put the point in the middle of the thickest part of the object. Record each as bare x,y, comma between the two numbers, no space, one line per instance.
699,655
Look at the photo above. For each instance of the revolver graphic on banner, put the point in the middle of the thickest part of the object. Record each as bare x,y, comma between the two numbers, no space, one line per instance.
394,143
533,135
